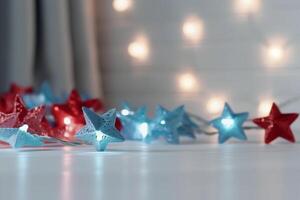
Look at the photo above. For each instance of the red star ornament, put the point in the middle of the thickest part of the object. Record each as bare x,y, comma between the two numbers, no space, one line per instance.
7,99
69,116
277,125
34,118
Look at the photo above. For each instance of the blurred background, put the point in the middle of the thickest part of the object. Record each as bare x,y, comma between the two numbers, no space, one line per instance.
200,53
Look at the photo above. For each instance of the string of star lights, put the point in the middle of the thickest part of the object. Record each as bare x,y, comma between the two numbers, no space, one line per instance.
45,120
36,117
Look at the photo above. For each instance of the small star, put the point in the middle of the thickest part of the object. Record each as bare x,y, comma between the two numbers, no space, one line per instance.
135,125
277,125
166,124
19,137
229,124
99,129
69,116
44,96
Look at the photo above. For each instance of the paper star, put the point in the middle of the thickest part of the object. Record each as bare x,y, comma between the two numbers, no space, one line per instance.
166,124
19,137
99,129
8,120
44,96
229,124
34,118
277,125
7,99
136,124
69,116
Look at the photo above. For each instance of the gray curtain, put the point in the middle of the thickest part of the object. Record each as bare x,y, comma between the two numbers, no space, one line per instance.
53,40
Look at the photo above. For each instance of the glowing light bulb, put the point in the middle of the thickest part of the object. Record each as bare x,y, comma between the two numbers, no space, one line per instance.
187,82
162,122
193,29
143,129
99,135
264,107
24,128
67,121
215,105
227,122
139,49
122,5
125,112
247,6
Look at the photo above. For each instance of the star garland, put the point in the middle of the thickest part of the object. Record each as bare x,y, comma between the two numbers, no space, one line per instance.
30,118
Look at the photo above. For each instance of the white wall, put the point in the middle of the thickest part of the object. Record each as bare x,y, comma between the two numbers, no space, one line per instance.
228,62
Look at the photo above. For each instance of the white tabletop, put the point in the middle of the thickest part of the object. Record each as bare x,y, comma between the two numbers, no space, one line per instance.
133,170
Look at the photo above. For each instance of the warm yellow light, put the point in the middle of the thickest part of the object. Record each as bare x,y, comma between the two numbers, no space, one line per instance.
264,107
139,49
247,6
215,105
187,82
67,121
193,29
276,52
122,5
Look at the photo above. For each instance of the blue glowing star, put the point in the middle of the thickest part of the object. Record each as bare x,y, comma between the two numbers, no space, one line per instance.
99,130
230,124
126,110
44,96
166,124
136,124
19,137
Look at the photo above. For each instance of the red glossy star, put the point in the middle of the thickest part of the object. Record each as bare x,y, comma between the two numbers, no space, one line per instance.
8,120
277,125
7,99
34,118
69,116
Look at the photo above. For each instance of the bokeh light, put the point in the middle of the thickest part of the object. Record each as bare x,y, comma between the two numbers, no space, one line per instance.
187,82
139,49
245,7
193,29
275,52
215,105
122,5
264,107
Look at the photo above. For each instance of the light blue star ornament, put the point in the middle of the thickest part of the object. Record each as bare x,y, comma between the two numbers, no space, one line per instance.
166,124
126,110
99,129
19,137
229,124
135,125
44,96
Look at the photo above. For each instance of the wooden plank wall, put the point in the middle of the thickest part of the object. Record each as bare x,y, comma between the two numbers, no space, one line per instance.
228,62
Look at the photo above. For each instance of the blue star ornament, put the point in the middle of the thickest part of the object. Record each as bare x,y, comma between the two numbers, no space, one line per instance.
166,124
126,110
99,129
19,137
229,124
44,96
136,125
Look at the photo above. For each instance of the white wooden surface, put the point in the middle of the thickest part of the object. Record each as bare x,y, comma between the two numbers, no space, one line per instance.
136,171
